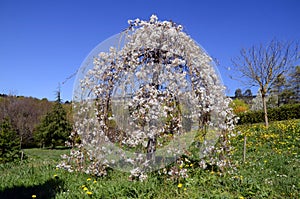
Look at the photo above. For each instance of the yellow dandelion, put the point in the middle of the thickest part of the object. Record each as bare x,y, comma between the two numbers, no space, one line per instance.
89,193
95,181
179,185
184,189
89,179
82,186
85,189
191,165
33,196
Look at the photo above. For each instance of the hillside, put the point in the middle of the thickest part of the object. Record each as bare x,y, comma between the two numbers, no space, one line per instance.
25,113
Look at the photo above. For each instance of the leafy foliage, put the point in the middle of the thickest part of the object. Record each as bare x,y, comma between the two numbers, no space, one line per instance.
54,128
284,112
239,106
295,82
24,113
9,142
285,89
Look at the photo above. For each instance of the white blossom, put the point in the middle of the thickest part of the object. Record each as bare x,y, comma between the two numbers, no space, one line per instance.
155,87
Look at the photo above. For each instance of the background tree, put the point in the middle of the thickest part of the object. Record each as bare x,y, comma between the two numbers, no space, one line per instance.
287,96
24,113
256,103
238,93
295,82
285,89
9,142
247,93
55,127
277,88
261,65
247,96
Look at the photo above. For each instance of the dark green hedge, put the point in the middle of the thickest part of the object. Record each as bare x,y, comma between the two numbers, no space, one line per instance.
285,112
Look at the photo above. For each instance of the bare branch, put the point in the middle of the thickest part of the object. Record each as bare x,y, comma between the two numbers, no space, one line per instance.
261,65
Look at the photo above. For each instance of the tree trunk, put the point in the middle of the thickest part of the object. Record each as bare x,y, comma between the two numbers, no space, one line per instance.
21,139
263,96
151,148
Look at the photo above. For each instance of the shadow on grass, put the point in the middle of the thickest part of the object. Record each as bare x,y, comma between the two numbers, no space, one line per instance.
46,190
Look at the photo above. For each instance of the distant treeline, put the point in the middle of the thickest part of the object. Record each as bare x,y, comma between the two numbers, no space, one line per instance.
25,114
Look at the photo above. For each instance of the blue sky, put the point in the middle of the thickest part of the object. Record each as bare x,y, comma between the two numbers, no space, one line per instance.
42,42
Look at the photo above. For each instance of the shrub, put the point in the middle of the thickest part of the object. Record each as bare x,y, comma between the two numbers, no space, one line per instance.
9,142
285,112
239,106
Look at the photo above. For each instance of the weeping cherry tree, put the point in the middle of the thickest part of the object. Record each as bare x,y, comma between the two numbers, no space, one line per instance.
140,103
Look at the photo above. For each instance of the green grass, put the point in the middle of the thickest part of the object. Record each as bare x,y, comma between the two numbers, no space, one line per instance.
271,170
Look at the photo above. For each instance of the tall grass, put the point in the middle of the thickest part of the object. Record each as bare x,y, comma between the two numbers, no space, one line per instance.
271,170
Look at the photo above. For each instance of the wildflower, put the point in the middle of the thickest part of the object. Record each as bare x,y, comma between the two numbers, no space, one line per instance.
89,193
89,179
33,196
179,185
184,189
85,189
235,177
55,176
95,181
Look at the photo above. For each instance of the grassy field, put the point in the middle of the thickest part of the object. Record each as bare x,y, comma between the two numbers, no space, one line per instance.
271,170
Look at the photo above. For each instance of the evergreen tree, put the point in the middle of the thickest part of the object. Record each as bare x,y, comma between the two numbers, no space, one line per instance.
247,93
278,86
247,96
295,83
55,127
9,142
238,93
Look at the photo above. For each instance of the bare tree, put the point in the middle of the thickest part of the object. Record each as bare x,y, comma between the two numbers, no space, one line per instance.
261,65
